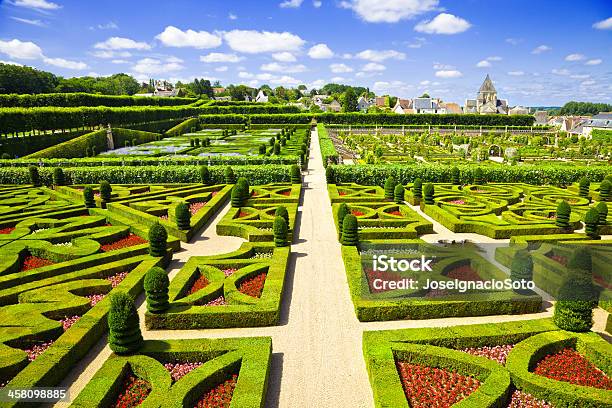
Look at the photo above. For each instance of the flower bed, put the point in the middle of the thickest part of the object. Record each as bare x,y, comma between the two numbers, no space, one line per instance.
372,275
253,286
117,278
396,212
195,207
179,370
33,262
67,322
558,258
464,273
220,396
229,271
427,387
36,350
199,284
135,390
94,299
220,301
521,399
569,366
357,213
495,353
130,240
7,230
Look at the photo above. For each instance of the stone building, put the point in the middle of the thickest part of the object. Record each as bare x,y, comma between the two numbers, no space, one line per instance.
486,101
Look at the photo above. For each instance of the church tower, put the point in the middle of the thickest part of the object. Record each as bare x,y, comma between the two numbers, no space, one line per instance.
487,92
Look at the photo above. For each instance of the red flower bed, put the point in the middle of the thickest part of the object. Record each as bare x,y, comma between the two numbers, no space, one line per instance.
135,391
558,258
126,242
357,213
397,212
521,399
286,193
195,207
214,193
569,366
372,275
464,273
427,387
220,396
199,284
7,230
243,214
179,370
36,350
33,262
253,286
341,193
495,353
457,202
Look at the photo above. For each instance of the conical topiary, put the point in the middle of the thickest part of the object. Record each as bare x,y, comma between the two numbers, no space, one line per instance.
156,285
417,188
455,176
88,197
584,185
329,175
389,187
591,223
575,303
58,176
296,174
106,190
521,268
563,214
605,191
602,209
280,232
350,231
240,193
429,192
277,148
204,175
158,240
262,149
34,176
343,211
229,176
398,193
182,216
124,335
281,211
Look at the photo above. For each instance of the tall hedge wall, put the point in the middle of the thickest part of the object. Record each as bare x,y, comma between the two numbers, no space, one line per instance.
23,146
68,100
76,147
120,136
182,127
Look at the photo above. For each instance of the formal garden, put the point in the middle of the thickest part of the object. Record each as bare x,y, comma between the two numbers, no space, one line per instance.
153,255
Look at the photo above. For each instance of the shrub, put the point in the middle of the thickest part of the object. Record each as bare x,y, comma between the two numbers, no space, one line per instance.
204,175
591,222
350,232
280,232
605,191
602,209
417,188
271,141
563,214
343,211
389,187
197,142
429,192
230,177
478,176
156,285
574,307
521,267
240,193
124,336
584,185
398,193
34,176
262,149
455,176
183,216
281,211
58,176
158,240
191,143
105,190
296,174
88,197
329,175
580,260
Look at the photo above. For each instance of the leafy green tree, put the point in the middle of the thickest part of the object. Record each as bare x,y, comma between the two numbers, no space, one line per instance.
349,101
25,80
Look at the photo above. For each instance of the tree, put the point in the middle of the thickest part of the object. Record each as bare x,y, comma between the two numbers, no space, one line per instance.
88,197
280,230
156,285
158,240
182,216
349,102
563,214
25,80
124,335
398,194
425,95
429,193
342,212
389,187
350,231
34,176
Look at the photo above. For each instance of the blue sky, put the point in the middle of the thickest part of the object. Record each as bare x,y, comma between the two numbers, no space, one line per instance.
537,52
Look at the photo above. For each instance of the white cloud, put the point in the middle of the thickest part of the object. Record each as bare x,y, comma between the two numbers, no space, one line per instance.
317,3
440,66
579,76
108,26
389,11
575,57
317,84
267,77
443,23
120,61
494,58
152,66
120,43
449,74
289,69
175,37
604,24
220,57
340,68
596,61
223,68
320,51
587,83
516,73
253,42
232,16
514,41
37,23
37,4
425,83
483,64
284,56
63,63
111,54
380,55
20,49
563,72
337,79
540,49
11,63
373,66
285,80
291,3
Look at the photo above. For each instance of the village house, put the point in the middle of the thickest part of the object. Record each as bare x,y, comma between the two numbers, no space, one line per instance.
403,106
261,97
